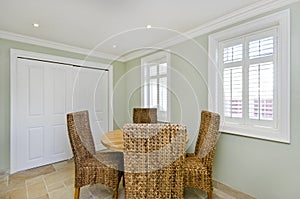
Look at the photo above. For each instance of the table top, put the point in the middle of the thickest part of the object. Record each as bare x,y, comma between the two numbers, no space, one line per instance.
113,140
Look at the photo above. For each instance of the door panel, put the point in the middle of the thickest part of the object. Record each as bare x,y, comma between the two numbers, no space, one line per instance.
58,81
91,93
44,94
30,113
41,110
35,143
59,139
36,88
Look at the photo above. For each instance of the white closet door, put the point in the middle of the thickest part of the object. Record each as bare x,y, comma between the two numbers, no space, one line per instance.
91,93
42,94
42,100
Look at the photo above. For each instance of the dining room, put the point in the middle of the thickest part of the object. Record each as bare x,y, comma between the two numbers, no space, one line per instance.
235,59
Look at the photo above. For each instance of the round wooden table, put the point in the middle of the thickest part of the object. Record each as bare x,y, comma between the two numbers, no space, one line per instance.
113,140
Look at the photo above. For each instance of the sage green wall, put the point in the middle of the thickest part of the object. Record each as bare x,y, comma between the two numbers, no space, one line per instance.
5,46
188,88
260,168
265,169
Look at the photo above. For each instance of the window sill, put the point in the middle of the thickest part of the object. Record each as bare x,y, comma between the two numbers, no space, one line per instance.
269,134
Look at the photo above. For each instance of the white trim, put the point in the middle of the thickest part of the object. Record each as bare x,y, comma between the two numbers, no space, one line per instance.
248,12
152,57
226,20
14,54
282,20
55,45
110,98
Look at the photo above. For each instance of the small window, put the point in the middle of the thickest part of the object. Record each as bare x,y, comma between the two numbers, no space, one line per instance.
155,80
249,78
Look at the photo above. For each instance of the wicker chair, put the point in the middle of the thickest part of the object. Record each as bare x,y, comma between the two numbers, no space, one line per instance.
198,165
144,115
153,160
91,167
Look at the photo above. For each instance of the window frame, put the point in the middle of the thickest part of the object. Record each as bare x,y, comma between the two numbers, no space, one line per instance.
154,58
281,131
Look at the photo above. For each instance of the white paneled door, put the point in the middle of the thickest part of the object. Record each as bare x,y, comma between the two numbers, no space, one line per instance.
91,93
44,92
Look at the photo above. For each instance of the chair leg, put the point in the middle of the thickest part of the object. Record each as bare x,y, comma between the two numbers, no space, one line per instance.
76,193
116,194
209,195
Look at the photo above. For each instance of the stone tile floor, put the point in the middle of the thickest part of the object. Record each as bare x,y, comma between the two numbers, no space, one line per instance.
57,180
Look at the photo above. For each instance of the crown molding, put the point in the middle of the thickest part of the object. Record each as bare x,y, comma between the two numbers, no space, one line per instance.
246,13
230,19
59,46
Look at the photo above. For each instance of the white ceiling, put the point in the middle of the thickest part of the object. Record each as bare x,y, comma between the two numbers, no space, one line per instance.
100,24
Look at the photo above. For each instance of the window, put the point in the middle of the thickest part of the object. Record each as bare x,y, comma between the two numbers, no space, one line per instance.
249,78
155,80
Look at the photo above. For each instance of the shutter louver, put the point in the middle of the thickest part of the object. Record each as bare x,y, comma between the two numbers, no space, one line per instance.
233,81
261,79
233,92
261,91
233,54
261,48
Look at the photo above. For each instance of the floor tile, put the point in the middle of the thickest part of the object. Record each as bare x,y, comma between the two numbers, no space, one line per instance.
36,190
31,173
58,176
61,193
3,186
54,186
57,181
17,194
34,180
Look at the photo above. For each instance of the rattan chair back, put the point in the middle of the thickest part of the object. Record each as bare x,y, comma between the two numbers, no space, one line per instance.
80,135
144,115
153,160
198,165
91,167
208,133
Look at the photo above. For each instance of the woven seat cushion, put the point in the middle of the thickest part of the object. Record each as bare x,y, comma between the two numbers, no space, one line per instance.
111,159
103,160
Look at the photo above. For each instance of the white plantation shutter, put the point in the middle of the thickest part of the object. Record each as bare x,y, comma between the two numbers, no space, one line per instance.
261,79
232,57
233,96
233,53
261,95
261,47
248,79
155,81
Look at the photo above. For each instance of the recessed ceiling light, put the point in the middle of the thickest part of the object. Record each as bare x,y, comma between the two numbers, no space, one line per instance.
148,26
114,46
36,25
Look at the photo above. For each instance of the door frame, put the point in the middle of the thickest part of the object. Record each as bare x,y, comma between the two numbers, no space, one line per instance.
14,55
